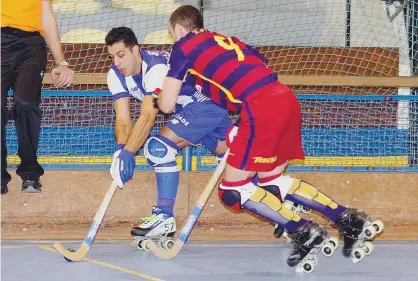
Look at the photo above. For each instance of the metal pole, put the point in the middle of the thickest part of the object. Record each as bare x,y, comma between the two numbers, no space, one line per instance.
348,23
412,23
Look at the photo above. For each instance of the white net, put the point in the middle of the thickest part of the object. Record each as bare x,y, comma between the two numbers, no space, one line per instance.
342,126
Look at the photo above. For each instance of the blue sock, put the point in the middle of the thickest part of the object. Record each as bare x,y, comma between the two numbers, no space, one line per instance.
167,185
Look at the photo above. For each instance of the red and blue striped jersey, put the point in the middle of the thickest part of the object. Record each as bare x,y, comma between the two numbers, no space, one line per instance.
226,69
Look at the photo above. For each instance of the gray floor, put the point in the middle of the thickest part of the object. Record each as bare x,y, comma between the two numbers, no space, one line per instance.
203,261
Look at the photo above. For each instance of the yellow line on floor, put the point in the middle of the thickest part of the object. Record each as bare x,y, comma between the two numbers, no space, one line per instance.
112,266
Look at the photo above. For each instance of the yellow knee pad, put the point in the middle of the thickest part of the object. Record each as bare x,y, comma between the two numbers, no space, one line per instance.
262,196
308,191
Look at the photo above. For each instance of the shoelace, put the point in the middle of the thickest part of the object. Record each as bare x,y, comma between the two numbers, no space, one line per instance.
148,221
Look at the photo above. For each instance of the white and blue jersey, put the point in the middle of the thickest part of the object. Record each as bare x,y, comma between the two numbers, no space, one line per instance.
154,70
201,121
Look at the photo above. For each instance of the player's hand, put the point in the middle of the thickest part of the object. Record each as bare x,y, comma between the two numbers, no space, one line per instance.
119,146
123,165
114,172
62,76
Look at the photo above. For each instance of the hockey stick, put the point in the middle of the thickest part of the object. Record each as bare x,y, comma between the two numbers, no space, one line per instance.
188,227
71,255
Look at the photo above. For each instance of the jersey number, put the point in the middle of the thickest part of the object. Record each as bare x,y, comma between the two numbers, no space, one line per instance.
228,44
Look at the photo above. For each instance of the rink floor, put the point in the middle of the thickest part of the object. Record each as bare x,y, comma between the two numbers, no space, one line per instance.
203,261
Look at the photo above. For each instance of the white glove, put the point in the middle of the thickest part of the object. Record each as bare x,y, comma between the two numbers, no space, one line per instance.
114,169
123,166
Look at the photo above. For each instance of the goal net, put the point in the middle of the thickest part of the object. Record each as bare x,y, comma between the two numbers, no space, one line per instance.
345,123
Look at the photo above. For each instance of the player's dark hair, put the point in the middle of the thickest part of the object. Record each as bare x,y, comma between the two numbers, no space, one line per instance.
121,34
187,16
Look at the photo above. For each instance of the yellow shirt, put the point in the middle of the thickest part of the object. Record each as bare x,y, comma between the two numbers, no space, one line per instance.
22,14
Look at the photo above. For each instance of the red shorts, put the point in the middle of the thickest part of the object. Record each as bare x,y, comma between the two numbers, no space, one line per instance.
269,131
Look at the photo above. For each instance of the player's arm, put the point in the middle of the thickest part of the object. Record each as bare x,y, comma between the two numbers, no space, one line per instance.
121,98
62,73
179,65
143,125
123,123
123,163
168,97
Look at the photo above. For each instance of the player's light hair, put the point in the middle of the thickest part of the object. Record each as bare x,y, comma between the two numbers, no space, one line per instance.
187,16
121,34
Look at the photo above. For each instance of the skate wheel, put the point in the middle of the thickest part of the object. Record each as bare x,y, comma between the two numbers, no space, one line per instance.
305,210
358,255
71,250
142,245
334,241
379,226
328,249
138,244
370,232
308,265
368,248
168,244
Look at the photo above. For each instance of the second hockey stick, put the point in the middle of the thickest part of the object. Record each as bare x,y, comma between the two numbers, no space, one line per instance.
188,227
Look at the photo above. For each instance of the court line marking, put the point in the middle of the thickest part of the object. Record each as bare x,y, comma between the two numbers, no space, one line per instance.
112,266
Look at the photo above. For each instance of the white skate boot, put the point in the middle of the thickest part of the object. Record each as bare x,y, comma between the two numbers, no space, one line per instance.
159,227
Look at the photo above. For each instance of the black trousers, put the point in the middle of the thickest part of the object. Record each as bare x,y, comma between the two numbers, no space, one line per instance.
23,63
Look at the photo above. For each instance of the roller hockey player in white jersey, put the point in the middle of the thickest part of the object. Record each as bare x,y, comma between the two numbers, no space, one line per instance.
197,120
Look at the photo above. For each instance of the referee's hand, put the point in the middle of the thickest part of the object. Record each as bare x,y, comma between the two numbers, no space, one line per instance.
62,76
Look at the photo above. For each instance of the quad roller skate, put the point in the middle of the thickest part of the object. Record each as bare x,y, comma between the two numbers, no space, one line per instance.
356,227
159,228
307,241
297,209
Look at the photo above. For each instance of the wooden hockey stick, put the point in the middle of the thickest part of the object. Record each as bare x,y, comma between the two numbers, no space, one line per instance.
188,227
88,241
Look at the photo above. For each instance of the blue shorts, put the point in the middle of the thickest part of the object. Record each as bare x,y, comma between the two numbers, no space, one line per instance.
201,122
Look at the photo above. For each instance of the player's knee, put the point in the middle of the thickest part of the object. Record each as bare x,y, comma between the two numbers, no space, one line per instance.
21,105
273,189
159,151
231,198
235,197
279,186
25,110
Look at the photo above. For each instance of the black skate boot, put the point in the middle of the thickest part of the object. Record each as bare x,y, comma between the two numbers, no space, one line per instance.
297,209
355,226
31,183
305,239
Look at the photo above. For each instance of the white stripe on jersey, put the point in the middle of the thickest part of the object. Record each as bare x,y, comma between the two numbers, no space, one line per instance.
154,69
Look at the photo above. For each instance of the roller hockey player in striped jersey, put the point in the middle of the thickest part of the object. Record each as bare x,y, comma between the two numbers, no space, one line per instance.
197,120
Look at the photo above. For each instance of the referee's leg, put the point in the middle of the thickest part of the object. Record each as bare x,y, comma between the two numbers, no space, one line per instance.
7,61
27,97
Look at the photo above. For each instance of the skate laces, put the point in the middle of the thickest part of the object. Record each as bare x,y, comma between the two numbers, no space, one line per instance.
150,218
149,221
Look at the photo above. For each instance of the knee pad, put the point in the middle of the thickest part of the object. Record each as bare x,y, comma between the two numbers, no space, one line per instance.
279,186
309,192
234,197
158,152
273,189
